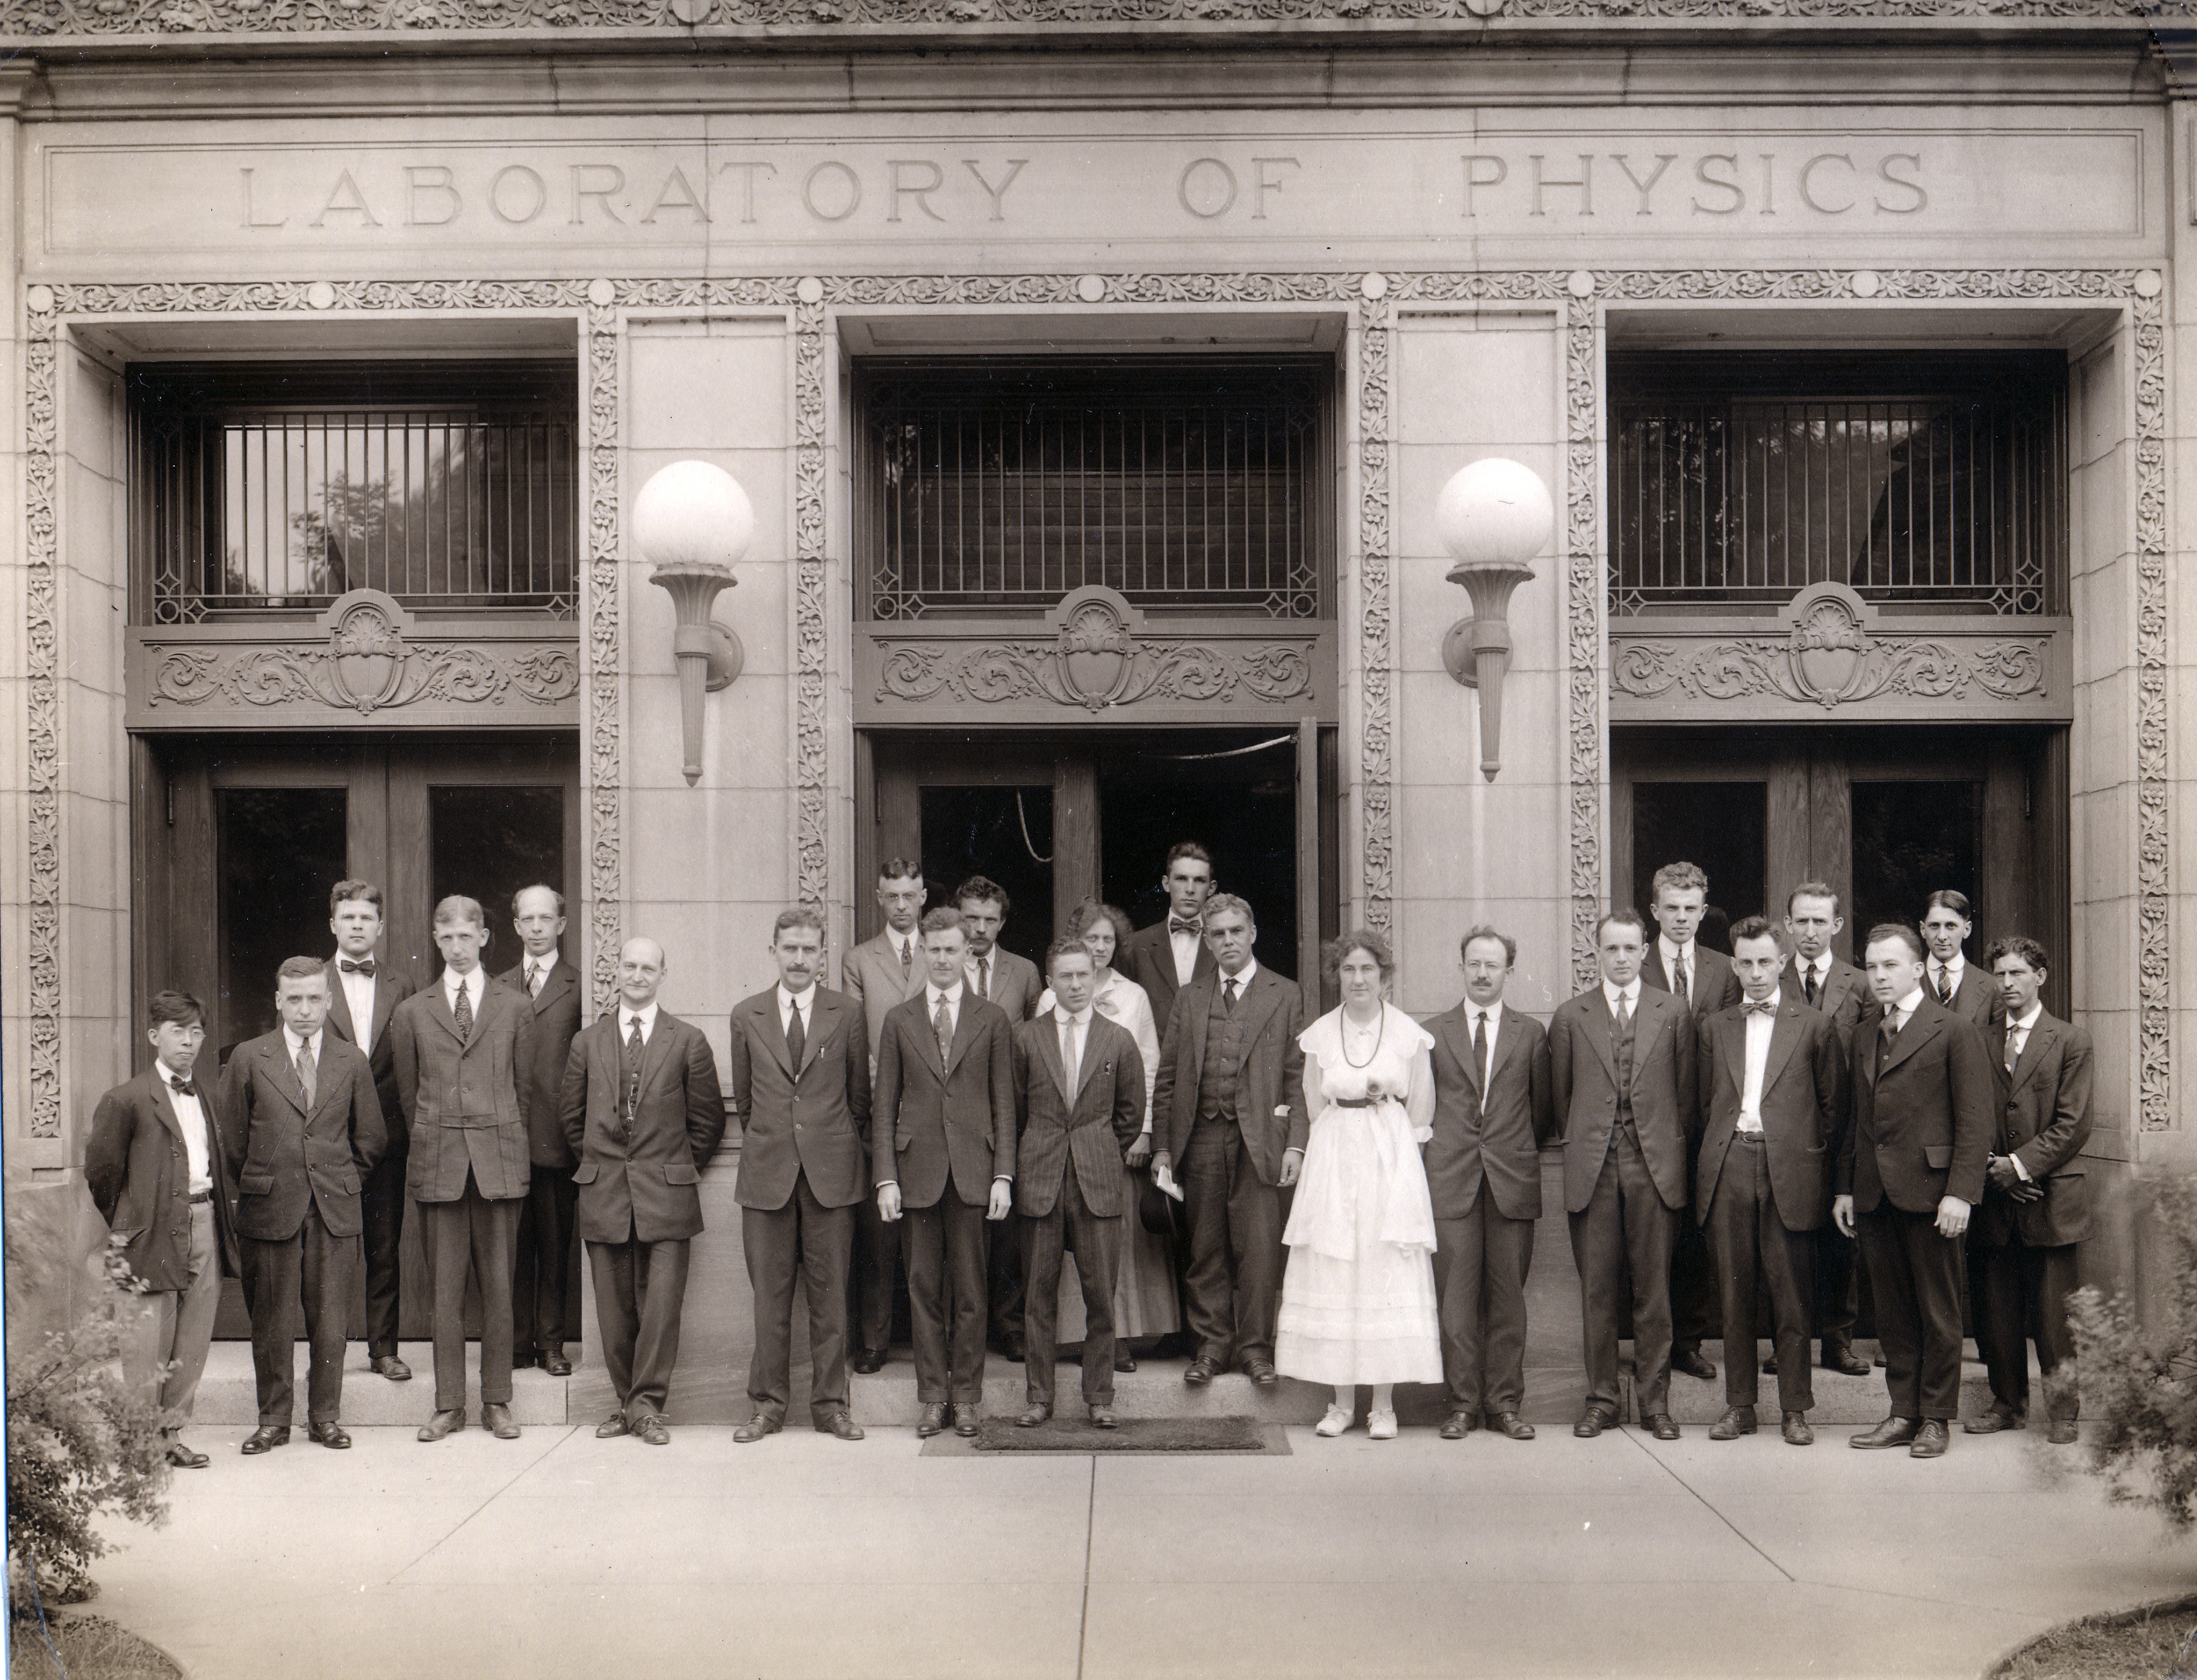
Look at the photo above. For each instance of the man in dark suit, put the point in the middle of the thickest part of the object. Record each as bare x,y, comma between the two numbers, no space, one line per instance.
1772,1085
363,992
154,1167
1011,983
543,1318
800,1083
942,1152
1080,1104
1166,956
643,1113
878,974
1678,963
1824,981
1229,1108
458,1049
1909,1170
1493,1113
1621,1076
2036,1205
301,1129
1957,984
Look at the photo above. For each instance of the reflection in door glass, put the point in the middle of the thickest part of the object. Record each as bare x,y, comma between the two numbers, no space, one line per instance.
1909,840
1004,834
490,843
279,850
1722,827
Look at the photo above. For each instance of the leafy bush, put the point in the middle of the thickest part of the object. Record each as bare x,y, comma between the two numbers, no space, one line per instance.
81,1441
2139,1382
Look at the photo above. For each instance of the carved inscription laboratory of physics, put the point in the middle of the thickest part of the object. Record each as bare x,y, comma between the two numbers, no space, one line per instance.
1822,184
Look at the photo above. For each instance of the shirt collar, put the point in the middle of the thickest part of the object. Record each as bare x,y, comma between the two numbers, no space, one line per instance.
1628,993
295,1043
452,980
1908,1004
171,1077
787,999
540,965
1494,1011
1243,976
1777,1000
1672,953
628,1015
2030,1019
1060,1013
952,995
1954,964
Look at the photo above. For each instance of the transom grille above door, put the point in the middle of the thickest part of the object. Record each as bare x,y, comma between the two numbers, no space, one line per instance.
1001,486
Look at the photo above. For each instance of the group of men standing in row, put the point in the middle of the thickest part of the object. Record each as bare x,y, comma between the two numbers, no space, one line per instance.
1730,1126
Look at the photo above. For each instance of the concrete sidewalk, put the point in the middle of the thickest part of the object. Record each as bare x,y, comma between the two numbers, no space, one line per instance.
801,1556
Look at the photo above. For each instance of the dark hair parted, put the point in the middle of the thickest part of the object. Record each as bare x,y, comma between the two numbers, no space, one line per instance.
798,915
179,1007
1947,898
943,919
1755,927
299,968
1483,931
354,892
900,869
1068,944
1091,911
1813,889
1374,945
1626,916
2017,945
1894,930
1189,850
980,889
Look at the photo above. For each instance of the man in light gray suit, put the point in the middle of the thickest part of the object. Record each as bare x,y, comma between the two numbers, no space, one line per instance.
878,974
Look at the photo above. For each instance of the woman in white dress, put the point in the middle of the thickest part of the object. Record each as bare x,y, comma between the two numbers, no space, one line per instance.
1358,1299
1146,1306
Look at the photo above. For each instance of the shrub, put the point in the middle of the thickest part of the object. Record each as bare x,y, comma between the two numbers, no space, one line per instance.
2139,1382
81,1442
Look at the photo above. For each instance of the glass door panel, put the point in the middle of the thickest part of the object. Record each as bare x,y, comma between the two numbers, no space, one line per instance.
279,850
491,842
1911,839
1005,834
1721,826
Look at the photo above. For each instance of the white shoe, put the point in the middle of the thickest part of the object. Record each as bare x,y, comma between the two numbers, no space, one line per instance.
1381,1425
1337,1421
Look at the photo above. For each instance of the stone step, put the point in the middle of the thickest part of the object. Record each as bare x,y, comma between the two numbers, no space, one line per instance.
227,1395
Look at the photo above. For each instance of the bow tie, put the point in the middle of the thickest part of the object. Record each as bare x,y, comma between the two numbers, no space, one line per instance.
1758,1006
344,964
182,1087
1176,924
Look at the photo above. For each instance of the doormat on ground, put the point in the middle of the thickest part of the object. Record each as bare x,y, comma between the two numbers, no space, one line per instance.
1074,1434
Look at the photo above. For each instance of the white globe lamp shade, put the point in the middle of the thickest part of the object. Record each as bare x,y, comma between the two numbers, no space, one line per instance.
693,513
1495,513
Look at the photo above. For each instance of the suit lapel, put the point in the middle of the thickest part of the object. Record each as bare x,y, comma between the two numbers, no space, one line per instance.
1048,1045
1731,1044
821,1015
1261,999
767,1029
2039,1040
560,982
440,1009
1090,1057
1459,1035
339,1004
1913,1036
965,1028
165,1105
659,1045
1599,1026
283,1076
1785,1035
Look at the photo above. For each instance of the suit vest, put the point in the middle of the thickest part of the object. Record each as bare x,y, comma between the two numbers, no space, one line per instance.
1222,1074
1621,1037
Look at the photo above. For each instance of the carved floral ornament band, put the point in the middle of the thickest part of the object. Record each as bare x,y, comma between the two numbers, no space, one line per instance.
1371,296
35,18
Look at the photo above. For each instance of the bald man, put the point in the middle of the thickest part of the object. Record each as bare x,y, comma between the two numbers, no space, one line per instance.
643,1113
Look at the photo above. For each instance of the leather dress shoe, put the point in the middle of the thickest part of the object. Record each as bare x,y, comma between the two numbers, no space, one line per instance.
1769,1366
1012,1351
554,1361
1102,1417
1033,1414
1794,1427
612,1426
525,1358
184,1458
1930,1440
391,1366
1736,1421
650,1429
1991,1421
496,1419
840,1424
266,1439
1879,1362
933,1419
1892,1432
1200,1371
1458,1425
1662,1426
1690,1360
870,1361
763,1423
1845,1362
1510,1423
1125,1362
2063,1431
1261,1372
1593,1420
328,1434
441,1423
967,1417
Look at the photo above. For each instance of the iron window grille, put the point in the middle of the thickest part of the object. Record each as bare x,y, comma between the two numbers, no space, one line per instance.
1920,483
448,485
1001,486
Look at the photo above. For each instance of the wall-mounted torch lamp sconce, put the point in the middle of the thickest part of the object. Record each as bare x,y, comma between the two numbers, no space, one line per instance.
692,521
1494,517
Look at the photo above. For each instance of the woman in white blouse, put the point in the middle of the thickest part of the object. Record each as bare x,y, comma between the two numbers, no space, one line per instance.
1146,1306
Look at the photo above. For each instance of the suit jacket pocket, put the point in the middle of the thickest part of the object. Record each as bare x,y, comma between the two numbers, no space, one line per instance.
586,1172
256,1184
1939,1155
681,1172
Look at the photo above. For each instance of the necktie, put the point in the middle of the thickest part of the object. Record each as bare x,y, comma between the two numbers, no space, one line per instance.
1944,985
2013,1045
344,965
1070,1061
797,1037
534,979
983,976
942,1023
462,1010
1624,1011
1755,1006
1228,995
1809,987
1678,975
1176,924
307,1073
1480,1044
633,1048
906,957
